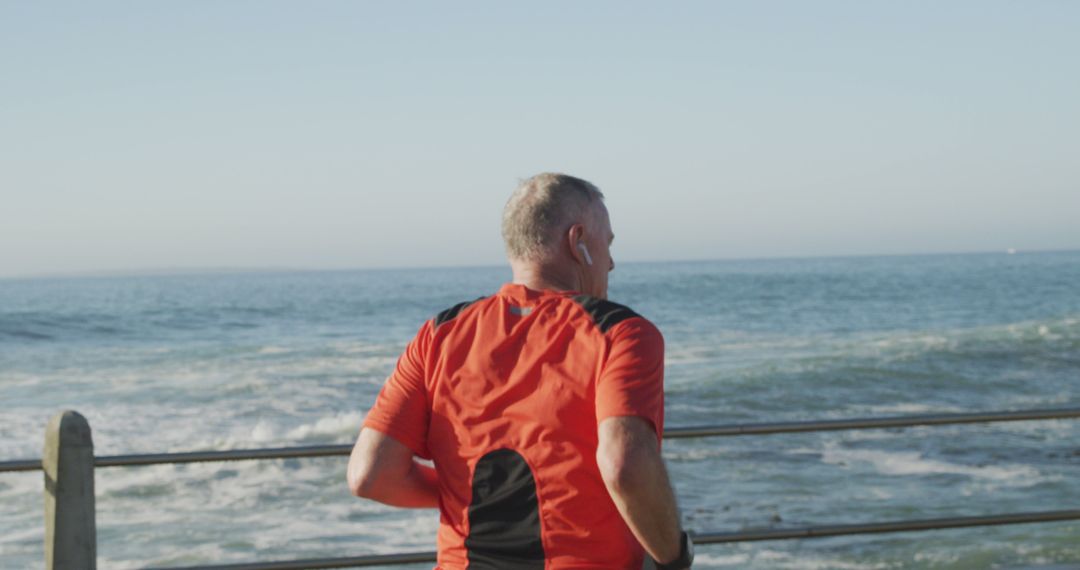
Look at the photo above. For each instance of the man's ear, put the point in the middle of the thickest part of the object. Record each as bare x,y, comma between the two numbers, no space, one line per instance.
574,236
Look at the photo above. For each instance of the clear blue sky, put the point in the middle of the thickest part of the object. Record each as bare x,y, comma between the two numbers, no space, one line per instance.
147,135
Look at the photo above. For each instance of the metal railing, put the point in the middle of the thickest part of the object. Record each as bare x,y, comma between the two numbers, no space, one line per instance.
69,516
720,430
706,538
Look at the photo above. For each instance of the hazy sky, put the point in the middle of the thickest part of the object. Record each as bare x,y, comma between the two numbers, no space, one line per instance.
138,135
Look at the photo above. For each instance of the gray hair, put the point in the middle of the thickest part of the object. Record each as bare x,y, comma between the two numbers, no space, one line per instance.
543,207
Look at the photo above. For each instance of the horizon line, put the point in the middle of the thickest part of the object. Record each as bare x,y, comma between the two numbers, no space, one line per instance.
236,270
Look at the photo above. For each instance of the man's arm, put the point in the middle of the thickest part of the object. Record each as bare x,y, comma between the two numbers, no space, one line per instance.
633,470
382,469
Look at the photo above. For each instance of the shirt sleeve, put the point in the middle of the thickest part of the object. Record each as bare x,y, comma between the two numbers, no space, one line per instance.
401,410
631,382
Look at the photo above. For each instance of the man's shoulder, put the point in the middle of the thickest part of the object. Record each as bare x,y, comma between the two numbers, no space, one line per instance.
452,313
606,314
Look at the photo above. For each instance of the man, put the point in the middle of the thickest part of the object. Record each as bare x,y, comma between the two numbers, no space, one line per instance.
541,407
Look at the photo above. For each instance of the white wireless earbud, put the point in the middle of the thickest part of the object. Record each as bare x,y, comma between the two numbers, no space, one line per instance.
585,252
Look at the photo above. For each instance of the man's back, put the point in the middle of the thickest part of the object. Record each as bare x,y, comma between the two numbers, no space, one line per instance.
541,408
505,395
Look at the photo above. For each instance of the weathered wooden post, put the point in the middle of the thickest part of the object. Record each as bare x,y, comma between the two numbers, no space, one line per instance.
68,462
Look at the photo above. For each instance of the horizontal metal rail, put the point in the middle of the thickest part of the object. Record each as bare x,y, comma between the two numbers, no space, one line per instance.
870,423
20,465
228,455
195,457
318,563
882,527
671,433
699,538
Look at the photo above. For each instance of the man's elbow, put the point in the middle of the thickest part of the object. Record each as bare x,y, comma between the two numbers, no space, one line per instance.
622,468
627,455
361,480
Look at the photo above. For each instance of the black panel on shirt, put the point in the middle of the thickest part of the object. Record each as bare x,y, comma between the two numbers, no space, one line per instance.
453,311
605,313
504,517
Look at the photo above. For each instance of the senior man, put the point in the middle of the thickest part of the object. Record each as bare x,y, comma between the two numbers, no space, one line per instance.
542,408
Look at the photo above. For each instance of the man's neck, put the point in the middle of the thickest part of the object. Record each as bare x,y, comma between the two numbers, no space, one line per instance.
540,277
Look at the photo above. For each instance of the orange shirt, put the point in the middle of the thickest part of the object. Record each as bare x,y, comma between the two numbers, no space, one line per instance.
504,395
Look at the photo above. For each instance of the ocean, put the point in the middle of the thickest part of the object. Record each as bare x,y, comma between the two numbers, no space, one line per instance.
246,360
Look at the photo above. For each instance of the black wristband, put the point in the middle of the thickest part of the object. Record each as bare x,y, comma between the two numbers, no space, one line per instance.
686,555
